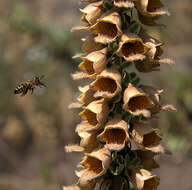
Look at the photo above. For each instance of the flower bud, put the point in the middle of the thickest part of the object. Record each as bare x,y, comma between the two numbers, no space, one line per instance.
115,134
131,47
107,27
92,12
136,101
94,63
107,84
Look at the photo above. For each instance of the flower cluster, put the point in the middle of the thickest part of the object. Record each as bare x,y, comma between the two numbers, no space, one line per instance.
118,143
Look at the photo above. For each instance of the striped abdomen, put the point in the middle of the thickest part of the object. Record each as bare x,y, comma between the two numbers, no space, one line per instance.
20,88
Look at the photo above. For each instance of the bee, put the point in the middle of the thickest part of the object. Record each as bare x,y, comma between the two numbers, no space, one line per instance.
29,85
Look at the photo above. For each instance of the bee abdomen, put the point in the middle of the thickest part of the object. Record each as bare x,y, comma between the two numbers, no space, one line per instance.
19,89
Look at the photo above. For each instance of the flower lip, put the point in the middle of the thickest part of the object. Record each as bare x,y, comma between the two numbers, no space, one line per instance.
105,84
90,117
139,102
133,47
106,28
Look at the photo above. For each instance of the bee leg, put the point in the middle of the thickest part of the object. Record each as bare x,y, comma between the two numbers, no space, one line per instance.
25,91
32,90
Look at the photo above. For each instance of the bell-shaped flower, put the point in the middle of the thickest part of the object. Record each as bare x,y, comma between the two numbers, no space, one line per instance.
144,180
92,12
115,134
82,184
147,159
136,101
150,10
89,45
145,135
108,27
131,47
86,97
107,83
94,63
95,113
95,163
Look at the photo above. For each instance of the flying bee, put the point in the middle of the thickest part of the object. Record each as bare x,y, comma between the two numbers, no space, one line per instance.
29,85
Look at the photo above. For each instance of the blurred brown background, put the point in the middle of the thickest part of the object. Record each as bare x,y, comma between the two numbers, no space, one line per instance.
35,39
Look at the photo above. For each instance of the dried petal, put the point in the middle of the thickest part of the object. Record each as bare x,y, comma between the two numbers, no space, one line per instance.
136,101
115,134
107,27
145,135
144,180
94,63
95,113
124,3
131,47
108,83
96,164
89,44
92,12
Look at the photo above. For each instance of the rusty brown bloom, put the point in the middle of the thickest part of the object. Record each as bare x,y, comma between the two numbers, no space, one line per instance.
115,134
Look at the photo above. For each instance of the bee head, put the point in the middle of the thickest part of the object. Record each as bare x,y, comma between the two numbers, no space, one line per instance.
38,81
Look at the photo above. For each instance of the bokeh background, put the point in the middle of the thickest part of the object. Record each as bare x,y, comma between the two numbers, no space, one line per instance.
35,39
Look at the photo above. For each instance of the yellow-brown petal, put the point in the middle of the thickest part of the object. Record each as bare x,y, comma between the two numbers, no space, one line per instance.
115,134
88,141
81,185
147,159
92,12
107,27
94,63
124,3
150,10
144,180
145,135
95,113
136,101
131,47
154,95
87,95
96,163
108,83
89,45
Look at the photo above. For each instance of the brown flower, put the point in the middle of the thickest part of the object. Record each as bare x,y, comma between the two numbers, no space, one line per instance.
82,185
92,12
88,142
107,84
107,27
96,164
95,113
131,47
124,3
136,101
89,45
86,97
150,10
144,180
145,135
147,159
115,134
94,63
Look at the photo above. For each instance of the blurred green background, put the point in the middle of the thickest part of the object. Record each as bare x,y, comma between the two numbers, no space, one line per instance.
35,39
